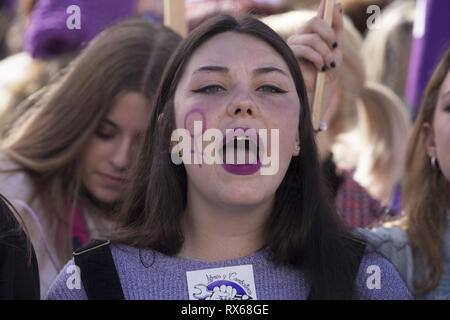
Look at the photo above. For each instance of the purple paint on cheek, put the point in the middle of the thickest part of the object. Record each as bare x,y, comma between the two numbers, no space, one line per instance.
189,119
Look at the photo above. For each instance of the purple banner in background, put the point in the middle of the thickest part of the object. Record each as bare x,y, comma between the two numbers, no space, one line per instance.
431,39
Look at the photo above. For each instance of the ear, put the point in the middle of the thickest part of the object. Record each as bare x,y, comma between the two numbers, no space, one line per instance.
430,144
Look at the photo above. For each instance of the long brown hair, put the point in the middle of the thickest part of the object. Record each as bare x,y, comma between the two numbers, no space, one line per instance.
425,191
303,230
48,143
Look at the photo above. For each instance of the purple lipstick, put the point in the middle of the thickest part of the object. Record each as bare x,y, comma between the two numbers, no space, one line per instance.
250,138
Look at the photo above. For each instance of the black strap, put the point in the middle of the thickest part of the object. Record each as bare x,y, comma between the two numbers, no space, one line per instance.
98,271
360,248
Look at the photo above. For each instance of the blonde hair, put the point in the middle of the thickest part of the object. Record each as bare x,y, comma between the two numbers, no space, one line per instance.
425,190
380,110
30,76
359,140
386,50
304,4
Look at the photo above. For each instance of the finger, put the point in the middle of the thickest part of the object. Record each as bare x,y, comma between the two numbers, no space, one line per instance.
320,27
315,42
321,10
307,53
229,290
338,22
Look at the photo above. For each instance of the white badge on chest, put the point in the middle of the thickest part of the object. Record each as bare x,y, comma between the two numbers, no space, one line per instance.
228,283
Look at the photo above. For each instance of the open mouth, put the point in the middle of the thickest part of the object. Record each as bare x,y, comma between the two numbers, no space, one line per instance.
240,153
241,150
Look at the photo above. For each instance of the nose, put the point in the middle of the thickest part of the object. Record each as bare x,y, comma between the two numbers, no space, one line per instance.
120,157
242,105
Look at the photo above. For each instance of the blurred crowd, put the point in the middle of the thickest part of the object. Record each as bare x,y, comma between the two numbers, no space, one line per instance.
75,104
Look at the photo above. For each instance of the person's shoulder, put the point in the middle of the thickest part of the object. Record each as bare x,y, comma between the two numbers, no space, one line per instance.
378,279
393,243
99,249
68,284
385,238
15,183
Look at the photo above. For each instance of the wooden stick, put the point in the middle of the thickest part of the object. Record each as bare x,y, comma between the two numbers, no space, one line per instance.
321,76
174,16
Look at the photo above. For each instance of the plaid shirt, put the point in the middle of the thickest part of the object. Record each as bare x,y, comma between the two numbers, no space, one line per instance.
354,204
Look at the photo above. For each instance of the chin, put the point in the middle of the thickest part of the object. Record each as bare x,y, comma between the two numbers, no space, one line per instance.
107,197
244,197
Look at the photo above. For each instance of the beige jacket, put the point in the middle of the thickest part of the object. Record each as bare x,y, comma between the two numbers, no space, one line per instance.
19,189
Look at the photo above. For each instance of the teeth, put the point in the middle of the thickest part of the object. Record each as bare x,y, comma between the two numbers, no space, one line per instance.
241,142
243,145
252,158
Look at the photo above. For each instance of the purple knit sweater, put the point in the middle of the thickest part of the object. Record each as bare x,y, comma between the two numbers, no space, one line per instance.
153,276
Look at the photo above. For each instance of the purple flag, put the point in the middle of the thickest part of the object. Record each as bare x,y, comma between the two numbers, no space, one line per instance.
430,40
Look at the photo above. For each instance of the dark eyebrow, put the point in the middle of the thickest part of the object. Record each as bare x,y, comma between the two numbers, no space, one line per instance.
446,94
258,71
111,123
212,69
265,70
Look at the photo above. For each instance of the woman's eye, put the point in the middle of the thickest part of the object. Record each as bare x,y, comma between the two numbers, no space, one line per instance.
209,89
271,89
104,135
